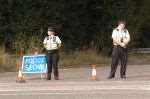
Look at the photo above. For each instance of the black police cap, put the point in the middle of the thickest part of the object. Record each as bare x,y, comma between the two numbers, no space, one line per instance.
51,29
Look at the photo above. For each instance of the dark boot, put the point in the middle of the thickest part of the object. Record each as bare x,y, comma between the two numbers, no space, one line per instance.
49,77
123,77
111,77
56,78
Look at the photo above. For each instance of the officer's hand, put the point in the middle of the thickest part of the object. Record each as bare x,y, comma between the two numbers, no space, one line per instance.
45,45
59,45
123,45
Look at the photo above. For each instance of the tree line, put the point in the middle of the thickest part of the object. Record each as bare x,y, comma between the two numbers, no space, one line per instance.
81,24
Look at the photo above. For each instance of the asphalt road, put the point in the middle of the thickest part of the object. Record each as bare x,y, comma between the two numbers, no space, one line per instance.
76,83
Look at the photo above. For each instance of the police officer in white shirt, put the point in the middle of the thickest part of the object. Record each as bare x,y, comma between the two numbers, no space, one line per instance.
52,43
121,38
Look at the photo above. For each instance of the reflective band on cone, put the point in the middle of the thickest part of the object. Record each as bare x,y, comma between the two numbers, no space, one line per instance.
20,77
94,72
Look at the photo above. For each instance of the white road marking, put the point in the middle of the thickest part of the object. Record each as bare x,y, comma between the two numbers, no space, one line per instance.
75,88
29,94
48,88
93,92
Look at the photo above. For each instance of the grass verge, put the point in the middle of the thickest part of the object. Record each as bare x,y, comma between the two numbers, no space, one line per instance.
73,59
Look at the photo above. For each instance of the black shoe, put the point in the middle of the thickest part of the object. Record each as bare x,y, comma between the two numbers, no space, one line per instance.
111,77
56,78
123,77
48,78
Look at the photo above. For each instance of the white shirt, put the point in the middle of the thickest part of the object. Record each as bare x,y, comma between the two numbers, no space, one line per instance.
51,42
120,36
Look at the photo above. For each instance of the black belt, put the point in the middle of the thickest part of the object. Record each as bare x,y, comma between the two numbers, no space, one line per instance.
117,46
52,51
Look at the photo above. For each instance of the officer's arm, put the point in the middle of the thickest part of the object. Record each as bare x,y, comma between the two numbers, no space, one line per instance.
127,40
116,40
58,42
44,43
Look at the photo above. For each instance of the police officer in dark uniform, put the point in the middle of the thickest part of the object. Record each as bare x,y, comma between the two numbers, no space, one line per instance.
121,38
52,44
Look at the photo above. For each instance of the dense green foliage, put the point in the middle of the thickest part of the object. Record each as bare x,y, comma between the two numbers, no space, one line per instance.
81,24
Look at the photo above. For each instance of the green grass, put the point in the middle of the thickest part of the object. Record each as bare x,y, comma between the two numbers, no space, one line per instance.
82,58
139,59
88,57
9,62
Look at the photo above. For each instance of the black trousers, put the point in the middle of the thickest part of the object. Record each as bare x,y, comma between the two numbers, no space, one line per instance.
119,54
52,63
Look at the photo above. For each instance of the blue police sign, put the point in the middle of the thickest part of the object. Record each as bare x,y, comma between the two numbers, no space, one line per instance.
34,64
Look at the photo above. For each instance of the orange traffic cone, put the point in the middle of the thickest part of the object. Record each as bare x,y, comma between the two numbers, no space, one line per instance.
93,72
20,77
